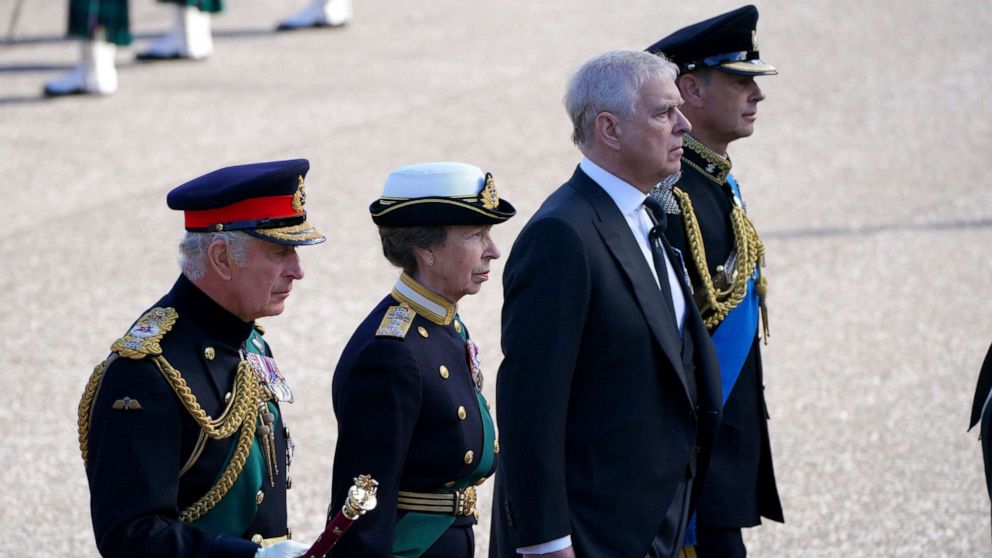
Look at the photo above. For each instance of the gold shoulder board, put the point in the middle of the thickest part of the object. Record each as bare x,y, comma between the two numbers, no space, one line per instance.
144,336
396,322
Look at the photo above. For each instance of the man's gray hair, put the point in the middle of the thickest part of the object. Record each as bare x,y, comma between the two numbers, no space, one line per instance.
610,82
193,250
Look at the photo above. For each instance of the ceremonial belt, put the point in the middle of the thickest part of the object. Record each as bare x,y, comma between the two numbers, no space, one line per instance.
418,530
459,502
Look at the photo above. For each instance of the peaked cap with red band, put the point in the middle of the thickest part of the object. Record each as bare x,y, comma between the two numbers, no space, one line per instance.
264,200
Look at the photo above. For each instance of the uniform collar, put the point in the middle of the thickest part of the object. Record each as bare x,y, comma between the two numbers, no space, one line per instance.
428,304
713,166
192,303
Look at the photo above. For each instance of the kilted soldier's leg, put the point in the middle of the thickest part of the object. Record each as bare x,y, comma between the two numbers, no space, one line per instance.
100,25
319,13
190,36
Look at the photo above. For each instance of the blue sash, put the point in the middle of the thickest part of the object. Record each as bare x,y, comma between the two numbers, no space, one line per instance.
735,334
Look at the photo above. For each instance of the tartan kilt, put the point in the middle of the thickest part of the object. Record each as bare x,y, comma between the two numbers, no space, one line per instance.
86,15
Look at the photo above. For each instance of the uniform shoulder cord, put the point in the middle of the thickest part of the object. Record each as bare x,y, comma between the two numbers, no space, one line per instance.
242,412
750,257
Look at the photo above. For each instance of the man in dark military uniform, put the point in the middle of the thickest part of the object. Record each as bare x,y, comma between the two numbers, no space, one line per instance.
408,387
981,411
180,428
707,222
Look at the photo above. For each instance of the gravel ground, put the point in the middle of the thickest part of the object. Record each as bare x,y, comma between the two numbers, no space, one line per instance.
877,237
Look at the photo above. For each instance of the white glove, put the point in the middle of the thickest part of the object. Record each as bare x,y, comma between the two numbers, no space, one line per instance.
285,549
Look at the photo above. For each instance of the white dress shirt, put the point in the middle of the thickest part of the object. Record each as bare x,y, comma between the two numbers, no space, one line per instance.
630,202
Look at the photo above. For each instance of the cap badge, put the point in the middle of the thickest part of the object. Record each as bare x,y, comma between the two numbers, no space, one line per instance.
488,196
754,39
300,197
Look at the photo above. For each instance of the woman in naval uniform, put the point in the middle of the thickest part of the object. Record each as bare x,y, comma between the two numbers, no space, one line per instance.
407,390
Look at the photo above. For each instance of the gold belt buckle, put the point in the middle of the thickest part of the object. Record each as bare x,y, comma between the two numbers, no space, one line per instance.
465,501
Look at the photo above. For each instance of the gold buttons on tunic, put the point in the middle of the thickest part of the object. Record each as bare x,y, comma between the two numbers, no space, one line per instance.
256,538
469,456
259,497
422,331
461,413
496,446
443,370
227,397
209,353
458,327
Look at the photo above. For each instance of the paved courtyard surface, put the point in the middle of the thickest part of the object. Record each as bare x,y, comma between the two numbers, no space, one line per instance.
866,176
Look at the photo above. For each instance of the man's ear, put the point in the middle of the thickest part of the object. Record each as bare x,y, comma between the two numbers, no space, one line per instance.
219,259
608,130
691,87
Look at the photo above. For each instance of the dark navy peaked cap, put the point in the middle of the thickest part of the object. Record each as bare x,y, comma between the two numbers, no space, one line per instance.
727,42
264,200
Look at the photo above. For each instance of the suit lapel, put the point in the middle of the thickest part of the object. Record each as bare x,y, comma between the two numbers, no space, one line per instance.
982,391
616,235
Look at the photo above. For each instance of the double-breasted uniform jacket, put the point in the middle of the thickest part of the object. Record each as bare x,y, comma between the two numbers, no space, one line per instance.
410,414
740,483
148,459
599,422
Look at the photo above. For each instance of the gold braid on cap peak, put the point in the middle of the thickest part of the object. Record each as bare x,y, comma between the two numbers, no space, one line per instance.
750,257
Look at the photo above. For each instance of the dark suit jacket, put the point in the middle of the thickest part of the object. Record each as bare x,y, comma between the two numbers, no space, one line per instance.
740,483
597,424
981,394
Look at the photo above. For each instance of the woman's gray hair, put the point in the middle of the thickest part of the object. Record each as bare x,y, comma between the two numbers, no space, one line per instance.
610,82
193,250
398,244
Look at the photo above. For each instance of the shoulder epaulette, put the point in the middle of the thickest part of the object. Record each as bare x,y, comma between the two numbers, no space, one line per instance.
396,322
144,336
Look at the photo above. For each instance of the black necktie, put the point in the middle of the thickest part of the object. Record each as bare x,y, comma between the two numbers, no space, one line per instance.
657,216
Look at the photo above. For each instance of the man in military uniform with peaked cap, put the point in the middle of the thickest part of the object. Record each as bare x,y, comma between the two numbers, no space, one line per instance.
707,221
180,428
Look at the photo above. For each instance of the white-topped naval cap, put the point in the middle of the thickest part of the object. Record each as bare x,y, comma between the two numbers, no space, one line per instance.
431,194
443,179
